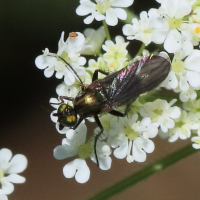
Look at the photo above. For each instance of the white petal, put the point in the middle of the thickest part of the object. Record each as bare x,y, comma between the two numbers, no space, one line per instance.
105,163
64,151
121,14
5,155
128,30
69,78
18,164
121,3
85,8
111,18
138,154
172,42
3,197
193,78
43,62
7,187
121,151
148,145
98,16
175,112
82,174
192,62
183,84
152,131
48,72
173,138
15,178
89,19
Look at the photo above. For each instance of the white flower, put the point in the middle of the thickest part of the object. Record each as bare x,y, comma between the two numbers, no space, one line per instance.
93,42
129,137
178,44
185,75
116,54
183,126
77,168
103,10
75,144
3,197
193,106
161,113
174,9
69,50
71,147
10,166
150,28
196,140
99,64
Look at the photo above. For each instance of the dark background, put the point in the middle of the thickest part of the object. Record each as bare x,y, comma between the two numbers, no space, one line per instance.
27,27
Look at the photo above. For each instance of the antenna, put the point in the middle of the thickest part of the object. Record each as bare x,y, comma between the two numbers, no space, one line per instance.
71,69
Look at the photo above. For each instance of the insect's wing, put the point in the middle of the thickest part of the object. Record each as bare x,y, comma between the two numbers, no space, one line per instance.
137,78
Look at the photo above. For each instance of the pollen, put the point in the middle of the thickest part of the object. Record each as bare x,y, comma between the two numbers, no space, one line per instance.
111,65
73,35
197,30
71,118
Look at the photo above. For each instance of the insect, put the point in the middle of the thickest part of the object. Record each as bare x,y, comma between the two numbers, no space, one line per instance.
116,89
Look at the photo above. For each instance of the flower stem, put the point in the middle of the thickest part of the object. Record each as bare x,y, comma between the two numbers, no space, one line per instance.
145,172
139,53
106,30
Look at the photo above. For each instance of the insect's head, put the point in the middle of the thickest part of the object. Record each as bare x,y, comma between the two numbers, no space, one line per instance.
66,116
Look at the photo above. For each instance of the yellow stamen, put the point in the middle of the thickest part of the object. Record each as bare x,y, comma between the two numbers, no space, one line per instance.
197,30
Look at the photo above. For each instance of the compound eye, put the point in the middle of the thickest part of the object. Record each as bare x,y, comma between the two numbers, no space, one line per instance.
68,120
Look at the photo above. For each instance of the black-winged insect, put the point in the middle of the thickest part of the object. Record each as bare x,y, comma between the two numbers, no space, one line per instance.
116,89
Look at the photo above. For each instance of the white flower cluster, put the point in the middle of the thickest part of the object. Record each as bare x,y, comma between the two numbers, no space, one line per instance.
9,169
176,26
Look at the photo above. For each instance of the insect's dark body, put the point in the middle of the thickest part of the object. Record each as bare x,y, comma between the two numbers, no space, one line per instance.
119,88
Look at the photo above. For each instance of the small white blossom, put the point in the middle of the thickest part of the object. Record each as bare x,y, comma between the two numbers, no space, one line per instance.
196,140
11,167
161,113
69,50
93,41
103,10
183,126
129,137
150,28
3,197
116,54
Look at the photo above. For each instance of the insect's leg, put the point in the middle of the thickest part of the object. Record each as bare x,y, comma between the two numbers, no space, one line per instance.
62,98
97,136
95,75
120,114
79,121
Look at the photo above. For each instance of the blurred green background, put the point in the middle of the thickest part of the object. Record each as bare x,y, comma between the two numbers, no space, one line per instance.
27,28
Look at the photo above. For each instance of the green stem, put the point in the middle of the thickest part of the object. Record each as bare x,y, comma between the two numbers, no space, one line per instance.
106,30
145,172
139,53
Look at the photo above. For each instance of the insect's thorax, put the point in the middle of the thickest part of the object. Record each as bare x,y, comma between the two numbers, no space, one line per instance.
89,102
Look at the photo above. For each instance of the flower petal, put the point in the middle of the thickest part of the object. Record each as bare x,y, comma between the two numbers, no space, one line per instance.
64,151
111,18
120,13
15,178
5,155
17,164
7,187
83,172
121,3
